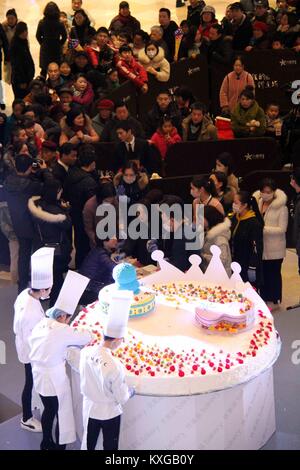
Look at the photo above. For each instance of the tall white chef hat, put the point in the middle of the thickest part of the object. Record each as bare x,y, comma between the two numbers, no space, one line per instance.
42,268
71,291
118,314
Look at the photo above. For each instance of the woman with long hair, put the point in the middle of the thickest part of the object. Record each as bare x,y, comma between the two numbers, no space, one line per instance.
22,65
204,192
247,237
76,128
51,35
81,28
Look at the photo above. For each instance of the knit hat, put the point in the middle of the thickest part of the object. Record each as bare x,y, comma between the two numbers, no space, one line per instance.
208,9
105,104
123,5
260,26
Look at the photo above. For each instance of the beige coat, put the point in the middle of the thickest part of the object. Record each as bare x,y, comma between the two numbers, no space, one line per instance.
158,63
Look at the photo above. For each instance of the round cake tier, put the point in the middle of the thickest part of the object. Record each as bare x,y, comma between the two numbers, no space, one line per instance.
143,303
167,354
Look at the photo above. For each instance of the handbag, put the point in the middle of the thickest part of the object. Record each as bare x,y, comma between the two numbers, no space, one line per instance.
56,246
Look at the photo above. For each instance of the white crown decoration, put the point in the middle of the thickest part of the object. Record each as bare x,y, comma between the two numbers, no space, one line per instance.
215,274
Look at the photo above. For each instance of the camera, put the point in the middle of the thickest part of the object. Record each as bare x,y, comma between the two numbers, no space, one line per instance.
36,163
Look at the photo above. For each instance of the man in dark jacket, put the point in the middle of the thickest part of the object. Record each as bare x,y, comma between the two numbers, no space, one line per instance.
18,188
164,107
109,133
194,12
67,159
241,27
124,22
169,27
130,147
80,185
220,49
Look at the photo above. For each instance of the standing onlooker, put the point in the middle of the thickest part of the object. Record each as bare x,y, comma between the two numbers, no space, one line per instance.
82,29
233,84
9,27
204,192
169,27
272,206
241,27
4,46
224,164
22,65
124,21
247,237
194,12
51,35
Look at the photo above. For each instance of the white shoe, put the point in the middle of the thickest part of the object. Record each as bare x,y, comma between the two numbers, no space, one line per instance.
32,425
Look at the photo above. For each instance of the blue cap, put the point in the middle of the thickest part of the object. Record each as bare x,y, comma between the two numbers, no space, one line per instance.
55,313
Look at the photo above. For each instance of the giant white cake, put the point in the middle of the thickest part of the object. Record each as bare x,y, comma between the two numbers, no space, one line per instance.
167,353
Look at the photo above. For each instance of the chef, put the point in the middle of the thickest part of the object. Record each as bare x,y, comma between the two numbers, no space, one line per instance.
28,312
102,379
49,342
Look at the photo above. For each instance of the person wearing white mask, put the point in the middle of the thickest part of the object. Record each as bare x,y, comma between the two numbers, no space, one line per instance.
28,312
152,58
49,344
247,237
102,379
272,206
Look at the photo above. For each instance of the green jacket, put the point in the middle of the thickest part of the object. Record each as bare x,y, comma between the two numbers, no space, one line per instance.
240,117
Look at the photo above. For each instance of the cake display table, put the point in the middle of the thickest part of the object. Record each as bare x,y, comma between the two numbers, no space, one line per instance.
194,390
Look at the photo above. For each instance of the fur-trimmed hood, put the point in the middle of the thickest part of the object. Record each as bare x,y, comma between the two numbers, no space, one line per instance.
37,212
222,229
279,200
146,61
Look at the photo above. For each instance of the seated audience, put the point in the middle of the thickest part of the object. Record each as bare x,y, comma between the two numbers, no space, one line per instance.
184,99
153,60
247,118
76,128
164,107
105,109
165,136
130,69
109,133
273,120
82,92
198,126
260,39
219,48
208,18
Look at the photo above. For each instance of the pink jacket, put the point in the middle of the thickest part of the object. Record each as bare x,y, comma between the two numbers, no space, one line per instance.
232,87
160,141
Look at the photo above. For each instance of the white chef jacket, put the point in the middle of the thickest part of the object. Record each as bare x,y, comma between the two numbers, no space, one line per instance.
102,383
28,312
48,349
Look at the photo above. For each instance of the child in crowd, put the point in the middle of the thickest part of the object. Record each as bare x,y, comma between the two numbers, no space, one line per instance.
274,122
92,49
165,136
277,43
112,80
82,91
65,71
130,69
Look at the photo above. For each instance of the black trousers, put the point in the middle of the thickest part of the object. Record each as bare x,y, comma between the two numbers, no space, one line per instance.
271,290
110,429
49,414
25,247
81,242
27,393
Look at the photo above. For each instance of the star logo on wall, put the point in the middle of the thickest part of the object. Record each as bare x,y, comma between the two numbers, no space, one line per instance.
248,156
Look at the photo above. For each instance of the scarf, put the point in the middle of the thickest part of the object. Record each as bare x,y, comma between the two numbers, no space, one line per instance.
248,215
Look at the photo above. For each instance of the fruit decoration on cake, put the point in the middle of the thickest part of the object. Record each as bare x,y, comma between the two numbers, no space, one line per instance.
125,277
171,354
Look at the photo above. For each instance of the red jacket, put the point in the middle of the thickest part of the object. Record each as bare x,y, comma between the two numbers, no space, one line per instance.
160,141
204,29
132,71
86,98
93,56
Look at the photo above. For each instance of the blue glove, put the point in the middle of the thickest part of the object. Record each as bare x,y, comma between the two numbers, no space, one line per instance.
151,245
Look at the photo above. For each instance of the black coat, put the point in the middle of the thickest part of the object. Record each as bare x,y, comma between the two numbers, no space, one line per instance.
22,65
98,266
155,116
242,242
175,249
242,35
109,133
59,173
52,225
17,191
141,153
82,33
79,187
51,35
194,14
169,38
220,51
